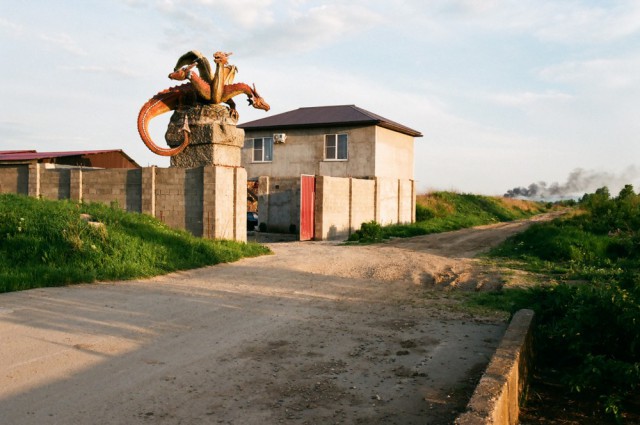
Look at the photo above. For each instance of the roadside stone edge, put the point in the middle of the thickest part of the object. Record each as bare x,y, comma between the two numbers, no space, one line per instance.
496,399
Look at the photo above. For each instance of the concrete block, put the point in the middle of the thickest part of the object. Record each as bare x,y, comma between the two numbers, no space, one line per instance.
214,137
497,396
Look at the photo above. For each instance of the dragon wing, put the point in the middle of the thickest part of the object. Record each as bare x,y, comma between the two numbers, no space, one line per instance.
203,65
230,72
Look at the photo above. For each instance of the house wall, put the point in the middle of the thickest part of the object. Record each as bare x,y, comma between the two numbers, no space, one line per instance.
303,153
206,201
393,154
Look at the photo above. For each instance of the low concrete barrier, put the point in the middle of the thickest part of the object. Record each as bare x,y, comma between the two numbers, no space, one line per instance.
496,399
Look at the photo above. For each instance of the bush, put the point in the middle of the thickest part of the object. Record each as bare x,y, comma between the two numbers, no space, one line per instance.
369,232
423,213
588,332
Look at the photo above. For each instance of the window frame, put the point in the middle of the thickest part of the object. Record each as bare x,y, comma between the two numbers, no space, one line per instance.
336,147
262,150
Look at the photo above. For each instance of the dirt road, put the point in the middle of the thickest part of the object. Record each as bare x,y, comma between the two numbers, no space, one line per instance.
318,333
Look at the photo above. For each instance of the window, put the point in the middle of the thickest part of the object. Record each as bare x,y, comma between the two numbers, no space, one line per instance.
263,149
335,147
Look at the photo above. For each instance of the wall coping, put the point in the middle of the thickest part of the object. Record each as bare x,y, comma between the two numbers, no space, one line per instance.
496,399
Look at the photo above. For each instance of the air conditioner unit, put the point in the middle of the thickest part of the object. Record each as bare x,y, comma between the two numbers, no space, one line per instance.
279,137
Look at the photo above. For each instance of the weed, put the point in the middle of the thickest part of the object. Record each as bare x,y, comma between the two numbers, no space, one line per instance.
588,332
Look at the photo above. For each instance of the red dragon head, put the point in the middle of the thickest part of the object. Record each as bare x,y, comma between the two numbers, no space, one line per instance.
257,101
221,57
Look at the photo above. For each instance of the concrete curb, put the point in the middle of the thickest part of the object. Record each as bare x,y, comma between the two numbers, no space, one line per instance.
496,399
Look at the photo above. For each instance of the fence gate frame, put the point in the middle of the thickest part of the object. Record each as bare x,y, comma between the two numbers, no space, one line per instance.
307,207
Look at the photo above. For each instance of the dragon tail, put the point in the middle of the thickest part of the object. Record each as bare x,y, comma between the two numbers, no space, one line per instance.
165,101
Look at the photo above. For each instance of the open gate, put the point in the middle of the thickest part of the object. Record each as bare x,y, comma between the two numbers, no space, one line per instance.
307,202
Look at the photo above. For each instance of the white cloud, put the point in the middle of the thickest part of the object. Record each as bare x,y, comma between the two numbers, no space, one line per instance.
315,28
216,14
527,98
11,28
575,22
246,13
616,73
63,41
107,70
567,22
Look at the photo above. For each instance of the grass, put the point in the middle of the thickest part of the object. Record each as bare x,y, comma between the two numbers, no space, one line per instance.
48,243
446,211
587,335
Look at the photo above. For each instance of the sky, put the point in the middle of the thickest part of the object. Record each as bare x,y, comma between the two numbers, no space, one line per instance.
507,93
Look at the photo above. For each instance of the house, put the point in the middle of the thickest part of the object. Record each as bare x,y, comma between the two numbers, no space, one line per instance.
338,141
361,165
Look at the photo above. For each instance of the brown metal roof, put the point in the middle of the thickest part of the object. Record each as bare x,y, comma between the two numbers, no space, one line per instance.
321,116
31,155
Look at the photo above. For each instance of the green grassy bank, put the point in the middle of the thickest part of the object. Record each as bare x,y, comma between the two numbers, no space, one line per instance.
445,211
587,335
49,243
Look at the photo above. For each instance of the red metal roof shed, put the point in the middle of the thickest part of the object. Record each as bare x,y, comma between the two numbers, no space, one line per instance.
112,158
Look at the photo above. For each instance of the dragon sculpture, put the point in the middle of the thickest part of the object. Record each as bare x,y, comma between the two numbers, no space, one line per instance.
203,87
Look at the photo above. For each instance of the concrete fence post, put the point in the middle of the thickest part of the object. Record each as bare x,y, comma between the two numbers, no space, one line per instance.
34,180
148,191
208,202
376,200
319,229
399,202
75,185
413,201
240,204
351,229
263,199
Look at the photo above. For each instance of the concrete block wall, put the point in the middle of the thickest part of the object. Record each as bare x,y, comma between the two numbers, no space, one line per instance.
406,202
332,208
55,183
207,201
117,185
279,203
14,178
362,207
387,200
343,204
225,202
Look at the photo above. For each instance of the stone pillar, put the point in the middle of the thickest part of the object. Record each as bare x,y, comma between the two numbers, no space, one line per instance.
216,145
215,139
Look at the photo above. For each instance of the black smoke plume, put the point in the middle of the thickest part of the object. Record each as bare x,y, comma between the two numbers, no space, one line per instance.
578,183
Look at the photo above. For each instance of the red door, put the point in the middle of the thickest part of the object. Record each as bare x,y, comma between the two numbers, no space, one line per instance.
307,201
